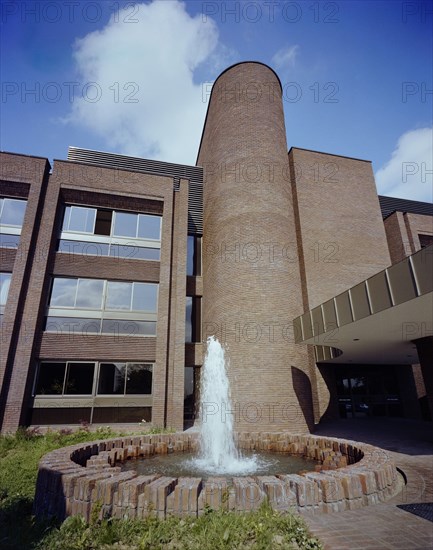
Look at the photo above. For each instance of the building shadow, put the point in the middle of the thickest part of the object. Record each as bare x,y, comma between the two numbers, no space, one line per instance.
304,395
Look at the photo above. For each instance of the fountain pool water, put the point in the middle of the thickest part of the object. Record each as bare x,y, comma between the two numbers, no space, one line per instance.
186,465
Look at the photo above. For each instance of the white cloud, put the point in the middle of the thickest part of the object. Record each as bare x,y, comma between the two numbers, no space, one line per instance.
157,55
286,57
408,173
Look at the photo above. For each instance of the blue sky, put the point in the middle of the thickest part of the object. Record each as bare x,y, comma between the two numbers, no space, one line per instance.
133,77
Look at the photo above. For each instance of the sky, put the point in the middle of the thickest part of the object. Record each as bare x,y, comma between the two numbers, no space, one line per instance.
134,77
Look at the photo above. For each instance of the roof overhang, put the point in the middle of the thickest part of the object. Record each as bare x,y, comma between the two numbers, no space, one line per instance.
378,320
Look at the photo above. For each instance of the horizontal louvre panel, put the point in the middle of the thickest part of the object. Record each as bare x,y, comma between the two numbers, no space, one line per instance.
388,205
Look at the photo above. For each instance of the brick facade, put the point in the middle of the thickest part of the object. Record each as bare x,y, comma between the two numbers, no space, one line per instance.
282,233
36,262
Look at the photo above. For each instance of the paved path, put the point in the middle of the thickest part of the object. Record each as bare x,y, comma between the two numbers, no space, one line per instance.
384,525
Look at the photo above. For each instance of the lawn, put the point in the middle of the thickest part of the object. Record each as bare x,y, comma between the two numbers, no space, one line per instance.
19,456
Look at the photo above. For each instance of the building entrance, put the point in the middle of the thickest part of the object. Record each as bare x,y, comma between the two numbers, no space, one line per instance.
368,390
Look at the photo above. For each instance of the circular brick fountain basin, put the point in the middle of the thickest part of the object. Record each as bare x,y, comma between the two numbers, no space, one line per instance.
83,478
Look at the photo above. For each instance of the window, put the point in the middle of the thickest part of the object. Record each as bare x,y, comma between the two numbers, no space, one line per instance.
11,220
77,293
80,219
65,379
12,212
51,379
141,226
193,265
425,240
94,306
100,232
188,319
79,378
131,296
5,281
125,379
193,319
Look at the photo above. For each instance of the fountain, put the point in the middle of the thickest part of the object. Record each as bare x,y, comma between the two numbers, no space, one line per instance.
218,452
159,474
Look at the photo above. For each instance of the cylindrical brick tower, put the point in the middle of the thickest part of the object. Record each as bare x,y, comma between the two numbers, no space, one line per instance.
251,275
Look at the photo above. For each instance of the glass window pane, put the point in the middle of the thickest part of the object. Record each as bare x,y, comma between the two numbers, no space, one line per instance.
9,241
82,247
149,227
189,382
79,379
129,328
134,252
63,292
82,219
13,212
359,385
139,379
188,319
118,295
145,297
73,326
50,379
111,378
89,293
125,225
190,255
5,281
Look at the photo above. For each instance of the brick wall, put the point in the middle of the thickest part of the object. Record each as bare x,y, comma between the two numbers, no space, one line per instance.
340,236
28,177
343,236
251,280
93,186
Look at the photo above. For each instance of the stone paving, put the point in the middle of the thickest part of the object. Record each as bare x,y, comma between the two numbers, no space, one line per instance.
410,444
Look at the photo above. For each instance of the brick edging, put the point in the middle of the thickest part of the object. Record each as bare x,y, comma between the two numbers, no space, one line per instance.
83,478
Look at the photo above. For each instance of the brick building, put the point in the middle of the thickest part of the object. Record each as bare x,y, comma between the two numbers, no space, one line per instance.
115,269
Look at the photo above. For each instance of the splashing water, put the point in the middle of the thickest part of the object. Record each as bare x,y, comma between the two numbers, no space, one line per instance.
218,452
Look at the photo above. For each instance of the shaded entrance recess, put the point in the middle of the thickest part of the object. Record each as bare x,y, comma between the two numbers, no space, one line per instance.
368,390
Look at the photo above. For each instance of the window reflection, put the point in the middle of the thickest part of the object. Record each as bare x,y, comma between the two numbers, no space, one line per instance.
112,378
5,281
12,212
118,295
125,225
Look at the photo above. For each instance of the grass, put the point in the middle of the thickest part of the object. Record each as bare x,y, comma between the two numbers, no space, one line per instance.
19,456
